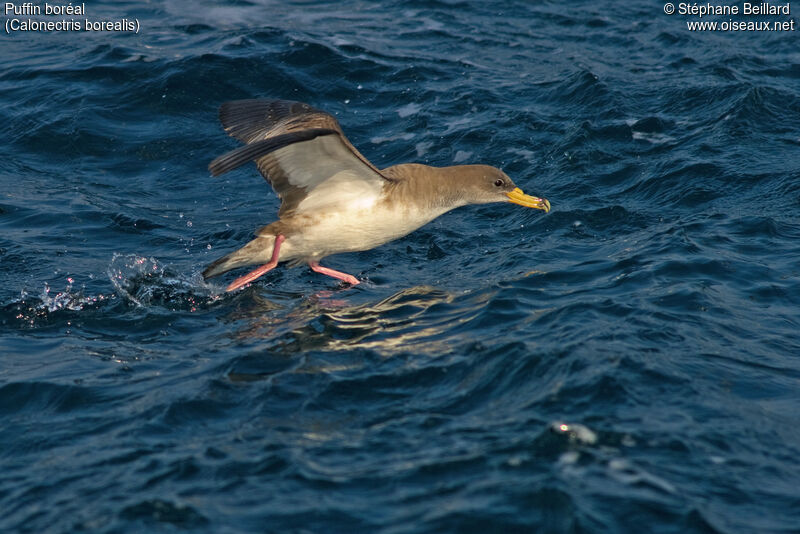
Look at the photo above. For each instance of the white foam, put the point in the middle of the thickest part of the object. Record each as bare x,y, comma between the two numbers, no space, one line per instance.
423,147
654,138
409,109
461,156
576,432
403,137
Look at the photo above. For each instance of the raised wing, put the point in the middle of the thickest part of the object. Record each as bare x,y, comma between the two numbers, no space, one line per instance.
301,151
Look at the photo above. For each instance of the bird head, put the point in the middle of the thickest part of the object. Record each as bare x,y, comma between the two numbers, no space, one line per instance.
489,184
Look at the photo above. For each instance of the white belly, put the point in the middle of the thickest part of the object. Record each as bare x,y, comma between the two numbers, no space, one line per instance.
336,232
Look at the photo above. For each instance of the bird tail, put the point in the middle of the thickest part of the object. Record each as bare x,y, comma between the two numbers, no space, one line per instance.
259,250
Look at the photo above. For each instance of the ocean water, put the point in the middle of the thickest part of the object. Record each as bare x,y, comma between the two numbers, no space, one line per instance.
628,362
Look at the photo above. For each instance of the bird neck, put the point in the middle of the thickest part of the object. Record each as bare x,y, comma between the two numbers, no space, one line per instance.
428,188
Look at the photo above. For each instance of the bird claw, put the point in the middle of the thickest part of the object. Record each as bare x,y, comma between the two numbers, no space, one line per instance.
344,277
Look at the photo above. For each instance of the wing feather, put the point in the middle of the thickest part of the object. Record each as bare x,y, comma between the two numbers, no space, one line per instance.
300,150
258,149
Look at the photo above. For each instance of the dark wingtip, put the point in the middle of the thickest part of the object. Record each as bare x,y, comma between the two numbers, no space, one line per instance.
246,119
253,151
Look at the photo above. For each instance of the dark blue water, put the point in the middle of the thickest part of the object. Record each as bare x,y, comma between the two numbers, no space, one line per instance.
629,362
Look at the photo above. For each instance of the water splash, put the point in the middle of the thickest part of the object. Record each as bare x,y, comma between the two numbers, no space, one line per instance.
33,311
143,282
126,270
146,282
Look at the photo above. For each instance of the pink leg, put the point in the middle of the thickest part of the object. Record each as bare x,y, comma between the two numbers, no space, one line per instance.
249,277
317,268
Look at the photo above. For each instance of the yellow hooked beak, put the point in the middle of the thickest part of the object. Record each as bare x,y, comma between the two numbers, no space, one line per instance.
518,197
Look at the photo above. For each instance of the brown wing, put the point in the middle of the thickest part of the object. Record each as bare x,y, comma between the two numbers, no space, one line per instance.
297,148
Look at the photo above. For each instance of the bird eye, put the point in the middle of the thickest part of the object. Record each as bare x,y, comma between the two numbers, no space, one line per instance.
499,182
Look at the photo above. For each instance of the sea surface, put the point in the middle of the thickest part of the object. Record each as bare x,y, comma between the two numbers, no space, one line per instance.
628,362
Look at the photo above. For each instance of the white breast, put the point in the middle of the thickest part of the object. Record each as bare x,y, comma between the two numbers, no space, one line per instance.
333,231
345,191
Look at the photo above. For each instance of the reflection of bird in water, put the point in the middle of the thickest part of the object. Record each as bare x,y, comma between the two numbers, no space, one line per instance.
333,199
421,319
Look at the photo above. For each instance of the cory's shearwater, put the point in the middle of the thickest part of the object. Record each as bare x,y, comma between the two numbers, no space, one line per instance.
333,199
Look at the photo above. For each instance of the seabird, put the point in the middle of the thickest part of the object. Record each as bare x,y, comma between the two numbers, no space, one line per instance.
333,199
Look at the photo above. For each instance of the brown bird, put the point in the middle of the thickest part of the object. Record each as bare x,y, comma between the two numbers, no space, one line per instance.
332,198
